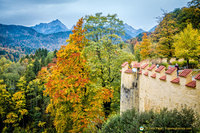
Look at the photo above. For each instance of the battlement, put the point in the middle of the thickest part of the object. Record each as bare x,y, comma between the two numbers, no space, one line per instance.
168,75
156,88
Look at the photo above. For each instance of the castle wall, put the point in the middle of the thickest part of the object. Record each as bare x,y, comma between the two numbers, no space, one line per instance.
129,90
155,93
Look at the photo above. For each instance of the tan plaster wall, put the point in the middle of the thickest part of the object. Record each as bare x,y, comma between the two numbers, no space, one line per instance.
153,93
156,94
127,93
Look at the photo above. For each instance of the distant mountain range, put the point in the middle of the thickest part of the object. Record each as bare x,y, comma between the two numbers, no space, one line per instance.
44,35
14,35
57,26
131,31
52,27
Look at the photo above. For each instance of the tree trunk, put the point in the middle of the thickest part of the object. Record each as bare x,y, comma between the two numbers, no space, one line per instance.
168,60
107,108
187,63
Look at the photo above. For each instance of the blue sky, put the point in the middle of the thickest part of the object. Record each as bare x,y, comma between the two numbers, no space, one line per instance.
137,13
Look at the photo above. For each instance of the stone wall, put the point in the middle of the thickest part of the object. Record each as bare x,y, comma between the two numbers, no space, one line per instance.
156,88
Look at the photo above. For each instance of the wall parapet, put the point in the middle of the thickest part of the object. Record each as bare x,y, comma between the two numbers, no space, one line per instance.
176,80
185,75
163,78
156,88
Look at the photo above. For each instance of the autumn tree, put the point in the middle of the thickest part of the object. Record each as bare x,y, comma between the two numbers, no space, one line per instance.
145,47
43,74
4,64
188,15
163,36
104,54
131,44
22,104
75,102
19,111
36,104
173,23
16,109
98,26
137,50
10,72
187,44
5,104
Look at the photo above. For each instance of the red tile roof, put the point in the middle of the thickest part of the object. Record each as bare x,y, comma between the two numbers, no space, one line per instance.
129,71
146,73
144,66
136,65
176,81
163,77
198,76
191,84
151,67
140,72
170,70
185,72
153,75
160,69
124,64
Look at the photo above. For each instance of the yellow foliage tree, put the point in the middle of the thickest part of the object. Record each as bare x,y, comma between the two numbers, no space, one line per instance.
5,100
19,101
187,44
145,47
75,103
163,36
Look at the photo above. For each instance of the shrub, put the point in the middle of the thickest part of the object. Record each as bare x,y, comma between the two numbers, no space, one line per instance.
164,64
113,124
174,119
183,63
120,124
174,63
192,64
180,64
130,121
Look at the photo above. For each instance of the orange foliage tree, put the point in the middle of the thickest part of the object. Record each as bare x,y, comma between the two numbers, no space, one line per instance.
145,47
75,102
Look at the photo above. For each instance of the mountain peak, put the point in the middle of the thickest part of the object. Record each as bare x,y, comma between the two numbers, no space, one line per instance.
131,31
54,26
55,21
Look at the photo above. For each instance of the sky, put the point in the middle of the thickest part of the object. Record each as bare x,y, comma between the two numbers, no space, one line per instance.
137,13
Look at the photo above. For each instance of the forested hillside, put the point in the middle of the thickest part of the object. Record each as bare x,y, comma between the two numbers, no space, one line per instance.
176,36
16,41
66,91
77,87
